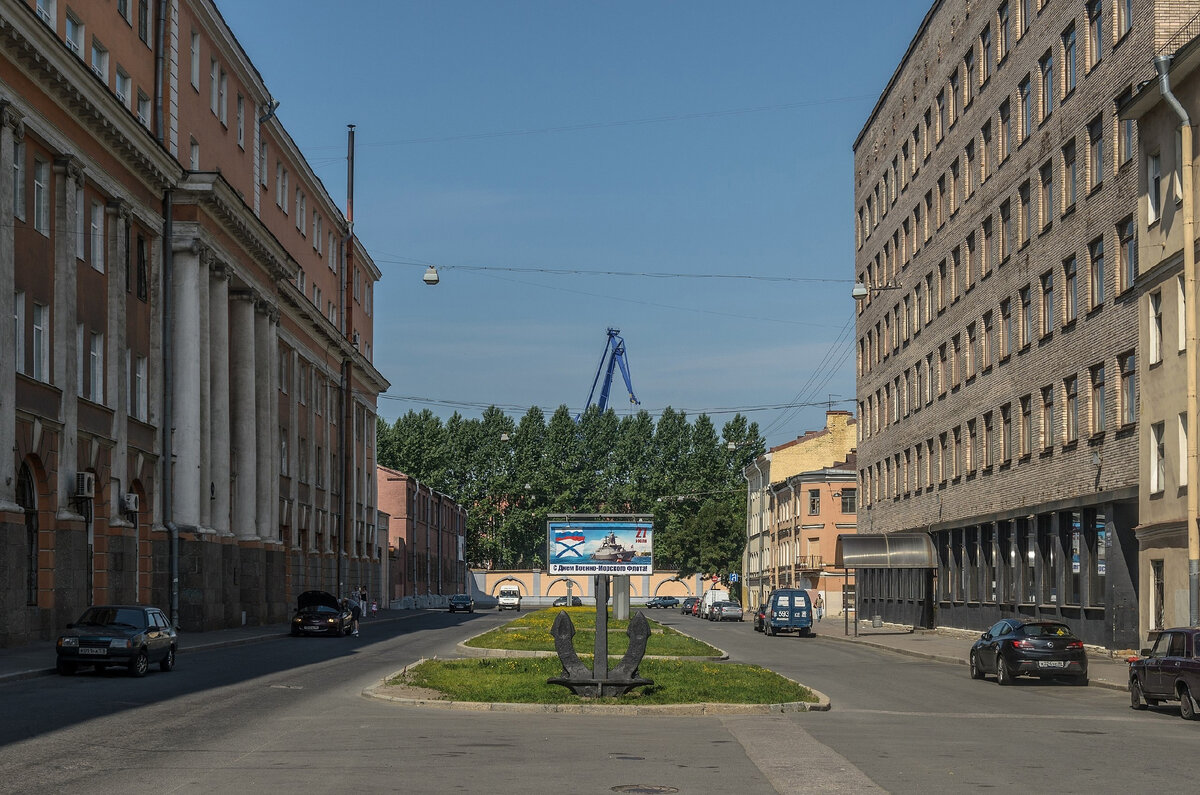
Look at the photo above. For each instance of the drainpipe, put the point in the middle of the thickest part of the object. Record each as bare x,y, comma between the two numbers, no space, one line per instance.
347,373
1162,63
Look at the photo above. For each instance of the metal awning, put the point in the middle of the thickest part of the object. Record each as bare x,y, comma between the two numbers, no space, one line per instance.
885,551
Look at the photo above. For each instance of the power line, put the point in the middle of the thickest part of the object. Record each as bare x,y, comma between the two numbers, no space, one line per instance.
514,408
638,274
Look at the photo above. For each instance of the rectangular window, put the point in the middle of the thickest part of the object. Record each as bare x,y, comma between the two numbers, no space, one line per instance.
942,122
1095,153
1025,102
1048,419
1006,328
100,60
41,342
1128,365
1006,430
74,35
1126,130
223,98
987,253
46,11
1068,42
1099,407
1006,230
41,196
1026,430
1046,195
1070,290
1046,71
195,60
140,389
1047,303
1070,173
19,331
986,55
1025,211
143,109
143,22
124,88
1071,408
1156,327
1158,458
1095,17
814,502
1153,187
1127,235
214,85
1096,273
95,391
987,344
985,151
1004,132
18,178
1003,31
1124,17
241,121
97,236
971,77
1026,318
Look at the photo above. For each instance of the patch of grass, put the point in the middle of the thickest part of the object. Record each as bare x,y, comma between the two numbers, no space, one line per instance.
531,632
523,680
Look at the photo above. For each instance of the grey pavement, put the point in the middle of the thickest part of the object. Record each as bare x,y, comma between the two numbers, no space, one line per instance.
1105,669
37,659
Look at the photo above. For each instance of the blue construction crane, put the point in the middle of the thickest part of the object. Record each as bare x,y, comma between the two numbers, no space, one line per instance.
614,354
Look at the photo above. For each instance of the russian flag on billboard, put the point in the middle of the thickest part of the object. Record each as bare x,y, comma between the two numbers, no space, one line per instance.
568,538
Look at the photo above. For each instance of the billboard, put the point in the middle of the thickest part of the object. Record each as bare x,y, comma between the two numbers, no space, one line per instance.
609,546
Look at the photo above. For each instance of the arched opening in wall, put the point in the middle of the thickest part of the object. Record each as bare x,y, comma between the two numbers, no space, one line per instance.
27,499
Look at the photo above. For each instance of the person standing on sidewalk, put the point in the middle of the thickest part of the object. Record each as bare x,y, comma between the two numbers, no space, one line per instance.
819,606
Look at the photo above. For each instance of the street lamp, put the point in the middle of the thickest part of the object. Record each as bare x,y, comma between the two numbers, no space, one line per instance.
431,276
861,290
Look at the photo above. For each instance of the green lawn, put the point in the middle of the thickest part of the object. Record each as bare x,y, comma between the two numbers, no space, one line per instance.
531,632
523,680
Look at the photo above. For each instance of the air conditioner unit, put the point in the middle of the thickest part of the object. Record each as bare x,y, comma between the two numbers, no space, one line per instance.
85,485
131,502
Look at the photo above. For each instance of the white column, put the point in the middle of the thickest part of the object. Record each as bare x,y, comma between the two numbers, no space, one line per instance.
115,357
204,472
185,395
268,467
219,426
68,181
11,130
242,413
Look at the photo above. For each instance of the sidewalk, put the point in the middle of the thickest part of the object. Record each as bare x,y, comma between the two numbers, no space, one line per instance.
954,646
37,659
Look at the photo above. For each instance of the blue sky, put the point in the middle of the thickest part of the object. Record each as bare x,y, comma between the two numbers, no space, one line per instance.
501,140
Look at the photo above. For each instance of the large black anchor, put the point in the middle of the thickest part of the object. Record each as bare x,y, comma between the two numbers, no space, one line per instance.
580,680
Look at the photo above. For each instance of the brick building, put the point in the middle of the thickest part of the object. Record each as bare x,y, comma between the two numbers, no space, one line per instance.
170,261
762,560
426,537
995,216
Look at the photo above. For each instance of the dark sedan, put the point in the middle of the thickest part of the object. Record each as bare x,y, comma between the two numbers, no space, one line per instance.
1013,648
462,601
132,636
688,604
1170,671
665,602
562,602
320,613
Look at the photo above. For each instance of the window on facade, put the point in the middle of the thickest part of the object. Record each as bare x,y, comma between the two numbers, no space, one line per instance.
1048,418
194,154
1158,458
1096,273
1070,174
1046,71
1070,290
1006,230
1025,210
195,60
1124,16
985,151
143,21
1095,17
1046,195
1026,318
1156,327
1126,130
241,121
143,109
1098,404
1006,430
74,35
1006,328
46,12
223,98
214,85
1071,408
1068,43
1026,429
1047,303
96,229
987,252
942,120
814,502
100,60
986,54
1004,138
1003,30
1127,236
124,88
41,343
1153,187
1128,366
1025,103
95,383
1095,153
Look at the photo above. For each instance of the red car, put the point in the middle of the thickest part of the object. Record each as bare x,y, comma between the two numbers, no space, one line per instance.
696,607
1168,672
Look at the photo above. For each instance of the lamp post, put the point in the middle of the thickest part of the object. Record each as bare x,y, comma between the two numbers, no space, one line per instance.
861,290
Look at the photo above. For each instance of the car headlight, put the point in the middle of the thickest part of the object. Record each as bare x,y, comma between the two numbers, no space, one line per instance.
68,642
331,621
120,643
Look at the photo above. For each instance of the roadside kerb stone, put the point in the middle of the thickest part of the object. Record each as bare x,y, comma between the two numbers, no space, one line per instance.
379,693
482,651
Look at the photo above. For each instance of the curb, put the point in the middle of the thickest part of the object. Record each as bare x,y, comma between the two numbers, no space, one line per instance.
619,710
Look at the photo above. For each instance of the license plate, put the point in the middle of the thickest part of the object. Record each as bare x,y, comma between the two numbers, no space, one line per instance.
1051,664
87,650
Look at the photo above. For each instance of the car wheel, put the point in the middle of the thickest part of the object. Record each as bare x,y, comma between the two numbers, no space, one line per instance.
976,672
1003,675
65,668
338,632
772,630
1136,699
167,664
1187,707
140,664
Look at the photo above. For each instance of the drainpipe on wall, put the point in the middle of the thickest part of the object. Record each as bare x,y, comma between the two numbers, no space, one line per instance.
347,364
1162,63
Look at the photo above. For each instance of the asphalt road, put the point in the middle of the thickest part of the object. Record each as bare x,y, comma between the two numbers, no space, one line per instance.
288,715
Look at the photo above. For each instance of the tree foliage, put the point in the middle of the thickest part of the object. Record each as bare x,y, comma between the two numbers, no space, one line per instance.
511,476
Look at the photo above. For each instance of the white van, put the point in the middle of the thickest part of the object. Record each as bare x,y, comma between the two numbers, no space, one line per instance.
711,597
510,598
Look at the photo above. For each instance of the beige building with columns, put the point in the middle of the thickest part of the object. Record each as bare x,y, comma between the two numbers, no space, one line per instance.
171,262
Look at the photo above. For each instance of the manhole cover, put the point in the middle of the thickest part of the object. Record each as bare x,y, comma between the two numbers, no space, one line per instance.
643,789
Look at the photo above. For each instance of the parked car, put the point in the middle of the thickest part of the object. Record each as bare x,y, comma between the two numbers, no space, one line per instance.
1013,647
788,609
662,602
760,615
562,602
133,636
688,604
320,613
1170,671
725,611
461,601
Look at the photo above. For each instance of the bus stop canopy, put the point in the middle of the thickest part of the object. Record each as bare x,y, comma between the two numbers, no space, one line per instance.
885,551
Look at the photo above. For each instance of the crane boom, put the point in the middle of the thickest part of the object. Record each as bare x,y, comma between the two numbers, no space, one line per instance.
614,356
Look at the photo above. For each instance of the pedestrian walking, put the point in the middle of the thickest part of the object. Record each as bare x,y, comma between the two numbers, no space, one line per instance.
819,605
374,607
355,615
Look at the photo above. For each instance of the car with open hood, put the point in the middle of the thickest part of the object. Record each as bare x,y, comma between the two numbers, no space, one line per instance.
320,613
130,636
